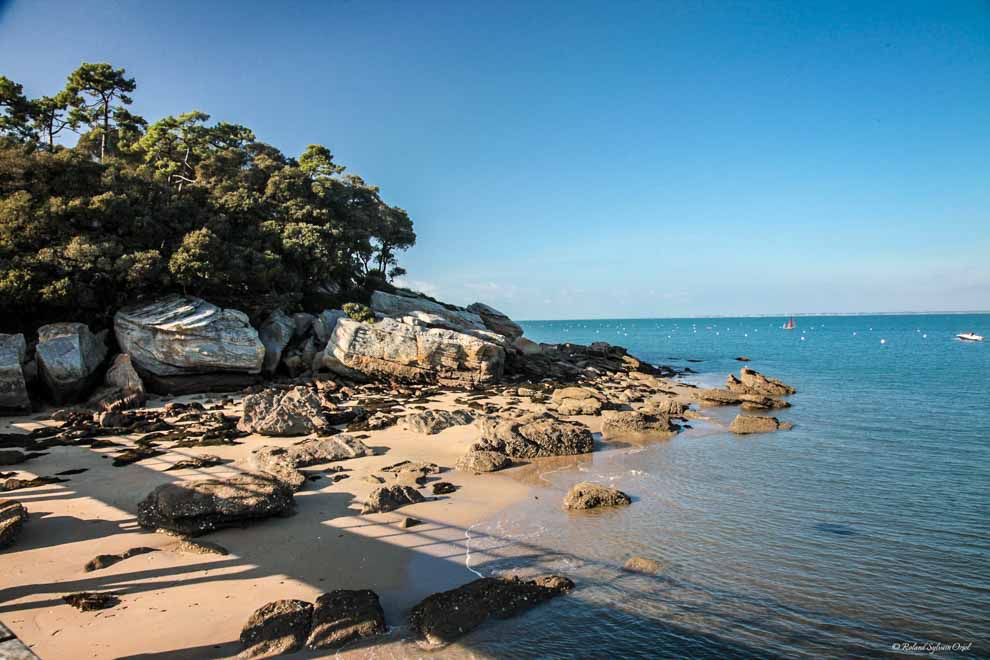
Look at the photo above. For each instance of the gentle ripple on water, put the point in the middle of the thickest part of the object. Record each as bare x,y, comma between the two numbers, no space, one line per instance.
864,526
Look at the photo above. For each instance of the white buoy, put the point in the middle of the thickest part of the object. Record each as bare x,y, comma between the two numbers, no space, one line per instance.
883,341
802,338
924,336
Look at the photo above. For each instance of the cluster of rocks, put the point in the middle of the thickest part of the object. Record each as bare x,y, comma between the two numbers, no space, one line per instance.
529,436
751,391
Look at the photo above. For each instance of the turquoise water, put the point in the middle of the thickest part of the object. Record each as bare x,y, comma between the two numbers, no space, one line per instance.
866,526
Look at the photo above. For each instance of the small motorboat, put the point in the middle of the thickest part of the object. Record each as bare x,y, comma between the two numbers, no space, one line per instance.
969,336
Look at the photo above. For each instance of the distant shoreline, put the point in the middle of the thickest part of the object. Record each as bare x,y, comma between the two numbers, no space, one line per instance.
756,316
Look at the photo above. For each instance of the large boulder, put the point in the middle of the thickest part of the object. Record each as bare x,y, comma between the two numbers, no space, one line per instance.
394,305
69,356
496,321
277,628
431,422
13,515
445,616
284,462
633,423
281,413
534,435
408,352
326,323
181,336
13,385
588,495
199,507
275,333
344,615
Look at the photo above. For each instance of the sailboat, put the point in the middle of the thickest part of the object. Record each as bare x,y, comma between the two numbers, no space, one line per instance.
789,325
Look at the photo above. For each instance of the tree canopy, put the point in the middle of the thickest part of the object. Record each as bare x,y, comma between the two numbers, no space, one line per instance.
134,210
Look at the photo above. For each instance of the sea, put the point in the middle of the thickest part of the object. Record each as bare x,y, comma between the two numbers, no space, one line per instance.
862,532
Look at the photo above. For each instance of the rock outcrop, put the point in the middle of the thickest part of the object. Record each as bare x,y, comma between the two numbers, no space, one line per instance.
578,401
753,382
69,356
588,495
345,615
432,422
746,424
13,515
277,628
389,498
661,405
394,305
275,334
534,435
446,616
284,462
626,423
180,336
496,321
400,351
282,413
13,384
199,507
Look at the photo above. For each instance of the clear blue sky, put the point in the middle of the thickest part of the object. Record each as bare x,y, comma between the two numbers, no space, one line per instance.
595,159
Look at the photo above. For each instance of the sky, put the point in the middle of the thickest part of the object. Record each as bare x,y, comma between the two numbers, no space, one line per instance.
598,159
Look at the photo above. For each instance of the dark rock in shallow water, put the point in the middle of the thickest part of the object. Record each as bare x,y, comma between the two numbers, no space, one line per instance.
345,615
446,616
13,515
587,495
198,507
389,498
88,601
104,561
277,628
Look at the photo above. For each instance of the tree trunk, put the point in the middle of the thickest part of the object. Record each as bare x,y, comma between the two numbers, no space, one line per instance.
106,129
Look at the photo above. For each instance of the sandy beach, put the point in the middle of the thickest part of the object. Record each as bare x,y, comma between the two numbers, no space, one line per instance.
181,604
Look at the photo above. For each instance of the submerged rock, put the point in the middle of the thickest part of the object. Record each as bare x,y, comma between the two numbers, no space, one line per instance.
13,382
280,413
643,565
534,435
431,422
446,616
68,357
181,336
389,498
620,423
345,615
588,495
13,515
199,507
277,628
746,424
406,352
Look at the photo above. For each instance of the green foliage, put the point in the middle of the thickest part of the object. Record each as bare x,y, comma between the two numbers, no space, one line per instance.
359,312
133,211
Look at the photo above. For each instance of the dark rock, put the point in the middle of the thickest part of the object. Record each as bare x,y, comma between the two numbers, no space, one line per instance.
136,454
20,484
13,381
87,601
345,615
587,495
13,515
742,358
443,488
103,561
410,522
275,333
277,628
446,616
13,457
389,498
199,507
196,463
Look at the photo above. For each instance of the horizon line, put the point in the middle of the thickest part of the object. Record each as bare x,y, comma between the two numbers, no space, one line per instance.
761,316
